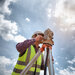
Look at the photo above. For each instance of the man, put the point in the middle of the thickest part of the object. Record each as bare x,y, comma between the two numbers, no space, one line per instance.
27,50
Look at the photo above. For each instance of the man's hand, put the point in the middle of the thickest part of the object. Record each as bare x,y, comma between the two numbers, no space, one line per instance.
39,38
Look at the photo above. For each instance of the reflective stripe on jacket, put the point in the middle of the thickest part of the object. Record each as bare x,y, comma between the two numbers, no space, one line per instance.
25,59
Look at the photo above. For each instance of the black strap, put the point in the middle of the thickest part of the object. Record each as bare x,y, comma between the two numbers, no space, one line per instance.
35,68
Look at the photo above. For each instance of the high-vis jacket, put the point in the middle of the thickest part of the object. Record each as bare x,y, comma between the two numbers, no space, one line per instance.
25,59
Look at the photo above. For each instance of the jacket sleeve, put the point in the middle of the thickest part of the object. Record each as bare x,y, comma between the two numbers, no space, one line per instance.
21,47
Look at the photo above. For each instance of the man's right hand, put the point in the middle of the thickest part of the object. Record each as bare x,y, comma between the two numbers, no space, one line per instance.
39,38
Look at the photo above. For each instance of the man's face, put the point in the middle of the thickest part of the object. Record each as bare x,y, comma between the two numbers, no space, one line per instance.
39,39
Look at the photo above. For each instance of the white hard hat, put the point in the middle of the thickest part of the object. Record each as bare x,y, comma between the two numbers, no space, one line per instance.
38,33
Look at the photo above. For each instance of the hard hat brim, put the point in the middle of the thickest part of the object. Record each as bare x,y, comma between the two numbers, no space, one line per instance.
37,34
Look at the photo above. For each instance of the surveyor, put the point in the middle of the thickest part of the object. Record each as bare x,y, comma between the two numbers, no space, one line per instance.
27,51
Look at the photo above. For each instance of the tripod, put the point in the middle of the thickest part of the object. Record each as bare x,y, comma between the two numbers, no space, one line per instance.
48,60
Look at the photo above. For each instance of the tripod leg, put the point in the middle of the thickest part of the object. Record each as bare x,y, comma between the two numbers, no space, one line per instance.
45,54
45,70
53,68
49,70
51,63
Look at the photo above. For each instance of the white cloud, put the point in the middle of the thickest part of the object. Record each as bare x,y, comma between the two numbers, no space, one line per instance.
27,19
19,38
73,27
4,64
66,71
71,61
57,69
4,6
49,13
6,61
70,70
65,14
56,63
9,30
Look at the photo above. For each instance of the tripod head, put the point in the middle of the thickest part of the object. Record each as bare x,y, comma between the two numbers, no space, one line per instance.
48,37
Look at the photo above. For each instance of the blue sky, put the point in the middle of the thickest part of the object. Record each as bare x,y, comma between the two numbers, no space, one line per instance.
19,19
